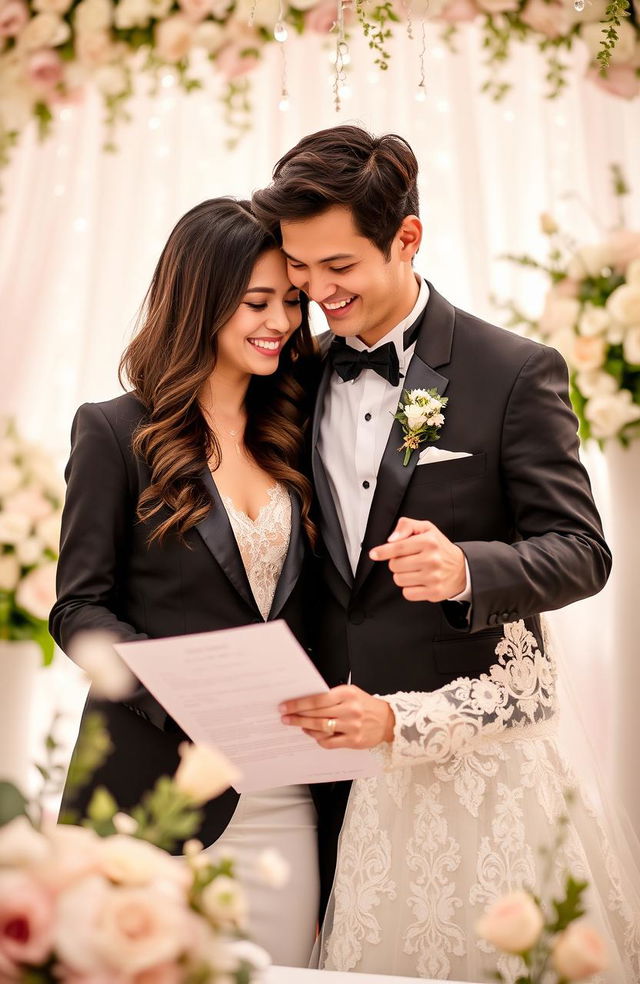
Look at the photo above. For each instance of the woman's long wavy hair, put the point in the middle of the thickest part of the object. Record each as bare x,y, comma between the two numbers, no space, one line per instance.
198,284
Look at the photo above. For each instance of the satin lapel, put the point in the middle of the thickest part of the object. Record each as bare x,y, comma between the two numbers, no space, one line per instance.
292,567
329,522
215,529
432,348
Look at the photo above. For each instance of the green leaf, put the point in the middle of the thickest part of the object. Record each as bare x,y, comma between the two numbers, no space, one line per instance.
12,802
92,748
570,907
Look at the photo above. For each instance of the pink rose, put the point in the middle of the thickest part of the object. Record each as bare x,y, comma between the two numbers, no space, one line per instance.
512,924
551,19
31,502
26,919
166,973
232,63
94,48
565,288
174,38
625,247
497,6
321,18
44,69
13,16
458,11
195,10
579,952
620,80
36,592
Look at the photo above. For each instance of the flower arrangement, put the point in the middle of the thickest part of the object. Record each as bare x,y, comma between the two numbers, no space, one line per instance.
553,945
591,315
51,49
102,902
30,510
420,414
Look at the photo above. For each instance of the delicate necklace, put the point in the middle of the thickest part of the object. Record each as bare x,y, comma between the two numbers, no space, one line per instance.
233,434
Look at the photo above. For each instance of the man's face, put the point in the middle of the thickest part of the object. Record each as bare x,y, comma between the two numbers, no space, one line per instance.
360,292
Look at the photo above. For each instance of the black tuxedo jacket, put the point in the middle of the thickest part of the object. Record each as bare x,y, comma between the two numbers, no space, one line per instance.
520,508
110,578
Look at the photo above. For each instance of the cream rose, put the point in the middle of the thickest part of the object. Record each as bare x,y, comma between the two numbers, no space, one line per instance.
587,353
10,479
9,573
93,15
174,38
130,861
416,415
590,261
110,677
224,903
594,320
96,48
195,10
30,501
139,928
204,772
633,273
559,314
111,80
459,11
74,855
579,952
625,248
30,551
209,36
14,527
550,19
132,13
21,845
624,304
608,415
44,31
497,6
36,592
631,345
512,924
48,530
59,7
596,383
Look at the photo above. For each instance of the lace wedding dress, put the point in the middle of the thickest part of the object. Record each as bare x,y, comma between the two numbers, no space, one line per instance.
283,921
473,792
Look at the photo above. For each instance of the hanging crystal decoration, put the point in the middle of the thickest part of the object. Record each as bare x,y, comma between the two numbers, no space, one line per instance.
283,105
578,5
343,57
421,91
280,32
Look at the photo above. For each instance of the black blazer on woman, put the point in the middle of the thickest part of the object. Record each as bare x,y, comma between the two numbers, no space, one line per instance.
111,578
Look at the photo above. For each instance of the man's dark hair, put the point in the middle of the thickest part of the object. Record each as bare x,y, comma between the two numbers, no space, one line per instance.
375,177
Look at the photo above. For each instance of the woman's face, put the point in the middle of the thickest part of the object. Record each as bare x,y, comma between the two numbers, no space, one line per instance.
269,313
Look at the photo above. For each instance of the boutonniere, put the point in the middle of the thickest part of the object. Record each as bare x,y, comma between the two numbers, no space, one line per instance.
420,413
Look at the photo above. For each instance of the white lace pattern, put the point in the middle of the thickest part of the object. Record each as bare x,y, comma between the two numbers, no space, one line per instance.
263,543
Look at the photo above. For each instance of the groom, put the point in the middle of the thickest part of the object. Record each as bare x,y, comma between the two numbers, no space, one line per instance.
423,560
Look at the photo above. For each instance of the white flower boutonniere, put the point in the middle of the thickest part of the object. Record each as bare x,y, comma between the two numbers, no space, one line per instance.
420,413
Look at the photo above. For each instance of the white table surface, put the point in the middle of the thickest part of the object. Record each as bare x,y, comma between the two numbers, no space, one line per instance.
293,975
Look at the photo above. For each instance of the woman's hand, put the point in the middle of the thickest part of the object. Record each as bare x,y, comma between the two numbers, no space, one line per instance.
345,717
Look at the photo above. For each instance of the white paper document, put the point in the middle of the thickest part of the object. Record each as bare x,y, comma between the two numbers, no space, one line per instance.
223,688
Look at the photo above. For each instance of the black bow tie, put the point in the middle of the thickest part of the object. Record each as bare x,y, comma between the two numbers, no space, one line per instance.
349,362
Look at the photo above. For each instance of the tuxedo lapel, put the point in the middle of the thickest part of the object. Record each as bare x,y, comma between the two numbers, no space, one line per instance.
215,529
329,522
433,348
292,567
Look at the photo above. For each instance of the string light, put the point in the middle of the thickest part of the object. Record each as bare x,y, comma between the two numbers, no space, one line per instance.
342,59
283,105
421,91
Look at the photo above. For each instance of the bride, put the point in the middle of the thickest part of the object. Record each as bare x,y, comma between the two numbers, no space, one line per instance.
474,790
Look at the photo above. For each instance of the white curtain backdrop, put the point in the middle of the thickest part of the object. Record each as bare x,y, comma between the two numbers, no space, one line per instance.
81,230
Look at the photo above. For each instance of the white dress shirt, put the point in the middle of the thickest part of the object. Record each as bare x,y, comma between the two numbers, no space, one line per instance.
356,420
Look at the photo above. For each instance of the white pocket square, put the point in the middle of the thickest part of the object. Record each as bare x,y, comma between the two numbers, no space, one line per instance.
431,454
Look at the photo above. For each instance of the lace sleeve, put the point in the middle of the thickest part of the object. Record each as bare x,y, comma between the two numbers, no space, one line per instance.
518,690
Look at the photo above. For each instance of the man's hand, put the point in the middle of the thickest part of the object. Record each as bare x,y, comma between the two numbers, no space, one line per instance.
345,717
424,563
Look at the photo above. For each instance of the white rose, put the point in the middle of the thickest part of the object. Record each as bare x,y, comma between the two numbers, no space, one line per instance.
111,80
608,415
590,261
30,501
21,845
10,478
631,345
93,15
139,928
266,12
594,320
419,394
110,676
58,7
30,551
592,35
220,8
14,527
130,861
224,903
44,31
578,953
273,869
132,13
209,36
512,924
9,572
36,592
74,855
174,38
624,304
416,415
48,530
596,383
42,471
250,953
633,273
559,313
160,8
587,353
204,772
